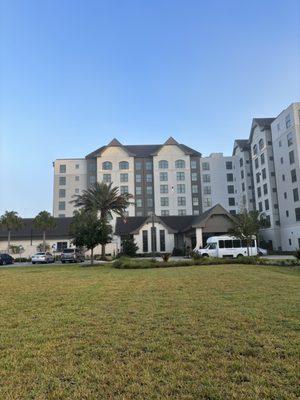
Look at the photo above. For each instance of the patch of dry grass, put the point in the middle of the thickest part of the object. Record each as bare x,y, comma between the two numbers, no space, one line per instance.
209,332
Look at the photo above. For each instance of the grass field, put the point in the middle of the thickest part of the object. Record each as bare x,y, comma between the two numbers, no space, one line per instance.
209,332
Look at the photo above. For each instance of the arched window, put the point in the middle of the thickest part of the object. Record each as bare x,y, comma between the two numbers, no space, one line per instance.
107,165
255,149
179,164
163,164
261,144
123,165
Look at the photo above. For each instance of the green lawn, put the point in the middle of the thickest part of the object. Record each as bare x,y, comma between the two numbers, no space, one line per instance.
208,332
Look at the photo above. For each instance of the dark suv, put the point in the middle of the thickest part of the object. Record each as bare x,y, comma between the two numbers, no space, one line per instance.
72,255
6,259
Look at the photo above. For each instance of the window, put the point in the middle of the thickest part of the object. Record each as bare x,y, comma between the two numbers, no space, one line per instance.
241,162
290,139
193,164
138,165
242,174
163,176
180,176
231,201
262,158
164,213
62,180
194,189
255,149
293,175
264,174
123,165
92,179
181,201
149,178
205,166
296,194
61,205
148,165
228,164
149,202
139,213
76,178
207,202
124,189
297,213
267,204
106,178
260,144
195,212
179,164
181,212
260,207
258,192
62,168
256,163
265,188
164,189
288,122
292,157
138,178
257,177
285,195
271,158
194,176
77,166
62,193
145,241
243,186
163,164
281,160
106,165
149,190
164,201
287,213
76,190
229,177
138,190
206,178
230,189
181,188
206,189
283,177
162,240
195,201
138,202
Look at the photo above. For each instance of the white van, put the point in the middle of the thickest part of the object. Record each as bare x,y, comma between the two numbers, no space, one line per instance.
227,246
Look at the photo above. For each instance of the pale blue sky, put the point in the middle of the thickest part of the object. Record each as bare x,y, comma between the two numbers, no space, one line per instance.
75,74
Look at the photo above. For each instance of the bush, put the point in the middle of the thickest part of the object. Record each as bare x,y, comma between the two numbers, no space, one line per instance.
177,252
129,247
297,254
166,257
21,259
195,255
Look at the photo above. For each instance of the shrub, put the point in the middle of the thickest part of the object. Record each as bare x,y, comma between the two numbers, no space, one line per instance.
297,254
22,259
166,257
129,247
177,252
195,255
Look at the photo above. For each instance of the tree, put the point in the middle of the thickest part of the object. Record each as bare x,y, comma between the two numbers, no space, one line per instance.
10,220
246,225
104,200
45,222
17,249
42,247
89,231
129,247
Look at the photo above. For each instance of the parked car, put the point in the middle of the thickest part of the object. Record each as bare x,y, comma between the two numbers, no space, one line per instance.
262,252
227,246
72,255
6,259
42,258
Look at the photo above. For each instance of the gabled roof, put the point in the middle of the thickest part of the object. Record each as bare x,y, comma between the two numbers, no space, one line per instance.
143,150
28,230
243,144
174,223
262,123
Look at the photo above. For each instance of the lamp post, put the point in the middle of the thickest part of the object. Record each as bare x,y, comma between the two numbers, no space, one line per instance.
152,234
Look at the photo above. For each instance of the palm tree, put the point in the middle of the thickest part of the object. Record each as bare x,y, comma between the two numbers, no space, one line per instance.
45,222
10,220
104,200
